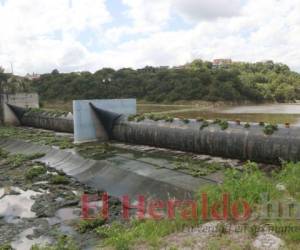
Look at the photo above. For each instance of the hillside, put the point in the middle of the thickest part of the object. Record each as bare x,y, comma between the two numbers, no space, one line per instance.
199,80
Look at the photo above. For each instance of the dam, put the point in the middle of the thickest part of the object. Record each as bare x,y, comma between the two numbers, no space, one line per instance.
236,141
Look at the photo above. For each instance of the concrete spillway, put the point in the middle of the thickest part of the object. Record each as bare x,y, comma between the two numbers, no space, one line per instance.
116,175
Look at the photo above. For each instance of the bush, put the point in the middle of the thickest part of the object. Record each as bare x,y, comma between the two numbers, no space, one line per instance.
59,179
3,154
248,185
6,247
89,225
270,129
35,172
169,119
123,237
63,243
204,125
223,125
289,176
186,121
247,125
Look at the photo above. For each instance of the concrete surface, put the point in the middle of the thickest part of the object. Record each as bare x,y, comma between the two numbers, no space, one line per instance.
24,100
116,175
87,127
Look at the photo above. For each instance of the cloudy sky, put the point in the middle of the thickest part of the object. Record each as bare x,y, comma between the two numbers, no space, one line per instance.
76,35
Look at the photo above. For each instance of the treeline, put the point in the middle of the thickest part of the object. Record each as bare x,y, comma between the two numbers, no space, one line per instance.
199,80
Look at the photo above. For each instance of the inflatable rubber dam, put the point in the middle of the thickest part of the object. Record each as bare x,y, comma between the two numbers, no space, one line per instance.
237,141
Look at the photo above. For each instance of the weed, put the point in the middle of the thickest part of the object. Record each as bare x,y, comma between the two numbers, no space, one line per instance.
59,179
34,172
40,137
6,247
123,237
289,177
195,167
89,225
270,129
169,119
63,243
217,121
186,121
132,117
3,154
247,125
223,125
140,118
204,125
248,184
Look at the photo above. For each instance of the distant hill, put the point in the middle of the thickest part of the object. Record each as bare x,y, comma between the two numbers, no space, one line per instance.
198,80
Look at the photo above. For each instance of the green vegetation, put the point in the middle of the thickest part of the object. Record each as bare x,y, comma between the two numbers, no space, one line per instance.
289,176
222,123
248,184
124,237
196,167
169,119
198,80
270,129
63,243
16,160
247,125
34,172
36,136
204,125
186,121
89,225
3,154
53,113
6,247
59,179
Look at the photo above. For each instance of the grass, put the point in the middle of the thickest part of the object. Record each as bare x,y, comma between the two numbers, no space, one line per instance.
89,225
35,172
36,136
248,184
289,176
16,160
247,125
3,154
195,167
204,125
186,121
269,129
38,111
124,237
63,243
59,180
6,247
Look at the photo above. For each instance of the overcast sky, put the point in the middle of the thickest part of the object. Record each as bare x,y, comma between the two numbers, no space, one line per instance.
76,35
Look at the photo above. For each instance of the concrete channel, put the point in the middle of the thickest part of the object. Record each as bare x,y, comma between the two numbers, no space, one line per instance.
117,175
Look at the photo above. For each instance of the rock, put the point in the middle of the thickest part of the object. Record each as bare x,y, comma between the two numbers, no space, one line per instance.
266,241
280,187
